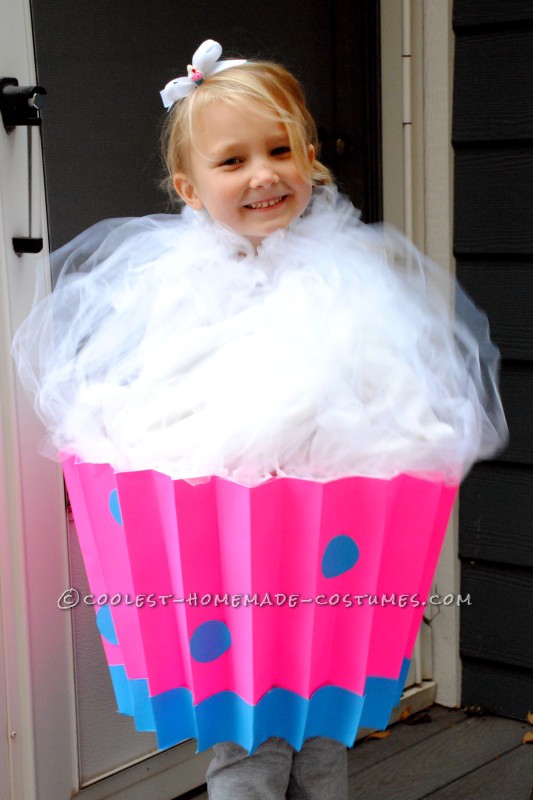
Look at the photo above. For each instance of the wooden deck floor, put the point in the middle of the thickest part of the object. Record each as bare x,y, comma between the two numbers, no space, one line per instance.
442,754
451,757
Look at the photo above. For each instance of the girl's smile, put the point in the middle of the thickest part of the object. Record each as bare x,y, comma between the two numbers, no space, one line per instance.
266,204
241,170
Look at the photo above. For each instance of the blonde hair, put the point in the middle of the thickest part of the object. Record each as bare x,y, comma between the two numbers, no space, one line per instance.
262,82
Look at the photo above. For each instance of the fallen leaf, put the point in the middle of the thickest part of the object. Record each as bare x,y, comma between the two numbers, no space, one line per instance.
418,719
530,717
378,735
405,713
475,711
527,738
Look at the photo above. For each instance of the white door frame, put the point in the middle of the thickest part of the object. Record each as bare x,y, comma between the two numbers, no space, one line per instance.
30,488
417,47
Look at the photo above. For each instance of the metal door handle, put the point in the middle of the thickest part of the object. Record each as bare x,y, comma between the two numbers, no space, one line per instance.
20,105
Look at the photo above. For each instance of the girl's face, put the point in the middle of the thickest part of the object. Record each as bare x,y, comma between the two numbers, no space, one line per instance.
241,170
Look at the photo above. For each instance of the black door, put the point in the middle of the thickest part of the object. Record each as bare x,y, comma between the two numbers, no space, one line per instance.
104,63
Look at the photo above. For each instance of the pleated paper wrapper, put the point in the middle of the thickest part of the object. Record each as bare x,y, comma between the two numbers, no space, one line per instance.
286,609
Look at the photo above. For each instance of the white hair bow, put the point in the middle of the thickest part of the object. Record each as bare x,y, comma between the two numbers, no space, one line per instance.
204,64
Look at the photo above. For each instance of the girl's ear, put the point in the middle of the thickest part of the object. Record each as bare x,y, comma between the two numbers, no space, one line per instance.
187,192
311,153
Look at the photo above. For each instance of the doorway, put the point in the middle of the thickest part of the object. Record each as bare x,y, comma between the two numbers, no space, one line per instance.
103,66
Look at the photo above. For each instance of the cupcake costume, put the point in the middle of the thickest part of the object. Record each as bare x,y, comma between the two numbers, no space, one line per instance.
267,439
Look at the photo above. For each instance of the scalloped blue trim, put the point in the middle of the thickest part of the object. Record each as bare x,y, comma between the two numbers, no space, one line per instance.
331,711
381,695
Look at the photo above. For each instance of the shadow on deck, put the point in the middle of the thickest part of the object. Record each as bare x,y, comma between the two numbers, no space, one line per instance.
442,754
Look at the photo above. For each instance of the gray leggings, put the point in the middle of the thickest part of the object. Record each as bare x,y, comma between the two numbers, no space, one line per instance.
319,771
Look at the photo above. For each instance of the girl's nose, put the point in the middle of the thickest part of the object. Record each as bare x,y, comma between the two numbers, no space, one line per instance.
263,176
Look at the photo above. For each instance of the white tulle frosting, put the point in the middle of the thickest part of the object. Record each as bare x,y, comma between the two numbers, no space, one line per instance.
170,344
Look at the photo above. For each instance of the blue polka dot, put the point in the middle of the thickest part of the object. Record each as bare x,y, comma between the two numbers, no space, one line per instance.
210,640
114,506
339,556
104,620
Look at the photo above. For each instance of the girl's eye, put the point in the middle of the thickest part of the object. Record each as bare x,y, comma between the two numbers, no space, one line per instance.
231,162
281,151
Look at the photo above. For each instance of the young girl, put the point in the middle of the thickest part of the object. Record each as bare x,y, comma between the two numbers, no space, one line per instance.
262,332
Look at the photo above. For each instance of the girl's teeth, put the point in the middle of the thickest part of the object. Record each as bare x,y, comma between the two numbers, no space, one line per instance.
267,203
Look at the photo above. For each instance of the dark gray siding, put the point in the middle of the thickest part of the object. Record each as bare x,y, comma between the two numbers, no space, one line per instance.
493,241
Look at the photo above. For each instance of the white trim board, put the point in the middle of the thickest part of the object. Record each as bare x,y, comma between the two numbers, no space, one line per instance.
417,73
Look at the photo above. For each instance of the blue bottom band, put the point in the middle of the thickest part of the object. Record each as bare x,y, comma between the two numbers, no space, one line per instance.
331,711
